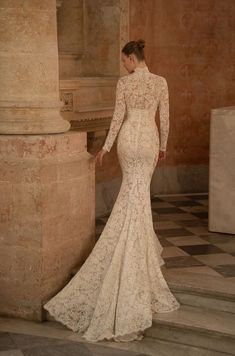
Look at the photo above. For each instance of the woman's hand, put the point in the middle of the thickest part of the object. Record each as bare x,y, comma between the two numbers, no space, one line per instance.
99,156
162,155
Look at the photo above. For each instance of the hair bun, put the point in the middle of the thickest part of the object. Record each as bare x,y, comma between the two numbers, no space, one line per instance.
136,48
140,44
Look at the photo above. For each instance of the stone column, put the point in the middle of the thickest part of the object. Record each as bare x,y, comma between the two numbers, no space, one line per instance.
29,89
47,177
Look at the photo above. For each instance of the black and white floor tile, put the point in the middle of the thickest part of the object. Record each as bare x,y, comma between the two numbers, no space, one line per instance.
181,224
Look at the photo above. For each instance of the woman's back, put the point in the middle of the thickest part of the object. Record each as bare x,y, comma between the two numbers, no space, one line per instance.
142,89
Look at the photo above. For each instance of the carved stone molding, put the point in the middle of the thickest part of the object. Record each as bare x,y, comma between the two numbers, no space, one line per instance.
91,125
67,99
88,102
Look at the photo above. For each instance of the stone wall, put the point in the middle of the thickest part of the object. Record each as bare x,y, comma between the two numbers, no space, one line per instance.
192,44
88,37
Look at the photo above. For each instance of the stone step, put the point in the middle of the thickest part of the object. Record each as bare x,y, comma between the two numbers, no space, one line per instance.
156,347
195,289
196,327
204,291
153,346
203,326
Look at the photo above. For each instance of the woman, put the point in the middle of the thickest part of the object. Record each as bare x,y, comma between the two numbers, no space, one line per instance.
120,286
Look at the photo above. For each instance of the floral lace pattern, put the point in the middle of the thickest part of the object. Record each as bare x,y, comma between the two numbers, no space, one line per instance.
120,287
140,90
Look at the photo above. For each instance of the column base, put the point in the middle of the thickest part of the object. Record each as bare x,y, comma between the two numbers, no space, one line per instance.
47,217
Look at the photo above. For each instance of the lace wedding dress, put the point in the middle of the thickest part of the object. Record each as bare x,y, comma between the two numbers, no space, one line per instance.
118,289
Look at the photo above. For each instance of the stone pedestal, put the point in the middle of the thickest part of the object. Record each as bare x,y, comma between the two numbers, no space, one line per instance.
222,171
47,217
29,76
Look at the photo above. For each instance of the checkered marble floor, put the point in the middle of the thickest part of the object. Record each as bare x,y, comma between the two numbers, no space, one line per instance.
181,224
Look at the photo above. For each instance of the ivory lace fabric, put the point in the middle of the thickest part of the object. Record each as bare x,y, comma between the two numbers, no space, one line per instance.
120,287
141,90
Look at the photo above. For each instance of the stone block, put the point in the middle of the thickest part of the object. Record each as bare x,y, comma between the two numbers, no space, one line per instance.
222,171
47,217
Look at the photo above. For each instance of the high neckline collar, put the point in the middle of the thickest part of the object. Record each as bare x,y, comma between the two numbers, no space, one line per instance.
141,69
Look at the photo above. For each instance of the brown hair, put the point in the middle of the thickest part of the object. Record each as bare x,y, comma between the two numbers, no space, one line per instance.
135,47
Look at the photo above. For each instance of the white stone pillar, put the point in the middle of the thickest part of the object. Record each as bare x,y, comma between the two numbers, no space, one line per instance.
222,171
29,90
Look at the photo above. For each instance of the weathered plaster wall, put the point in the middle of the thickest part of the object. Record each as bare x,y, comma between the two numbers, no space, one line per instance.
192,44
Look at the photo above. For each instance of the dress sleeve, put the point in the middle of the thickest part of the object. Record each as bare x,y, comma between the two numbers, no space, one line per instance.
118,116
164,115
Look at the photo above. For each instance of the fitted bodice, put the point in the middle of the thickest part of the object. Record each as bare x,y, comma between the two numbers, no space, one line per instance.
146,116
139,94
141,90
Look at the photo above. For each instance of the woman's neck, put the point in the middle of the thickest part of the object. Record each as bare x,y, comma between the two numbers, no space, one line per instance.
141,64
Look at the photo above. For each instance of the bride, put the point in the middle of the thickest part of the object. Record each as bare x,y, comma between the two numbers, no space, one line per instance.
120,287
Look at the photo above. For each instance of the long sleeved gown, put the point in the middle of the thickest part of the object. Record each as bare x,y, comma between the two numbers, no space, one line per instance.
120,287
